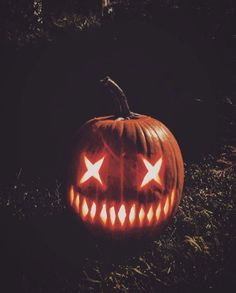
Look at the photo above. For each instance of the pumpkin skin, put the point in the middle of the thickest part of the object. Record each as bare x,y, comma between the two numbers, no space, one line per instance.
126,174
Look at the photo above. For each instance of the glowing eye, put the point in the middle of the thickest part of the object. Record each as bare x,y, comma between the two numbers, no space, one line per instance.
92,170
152,173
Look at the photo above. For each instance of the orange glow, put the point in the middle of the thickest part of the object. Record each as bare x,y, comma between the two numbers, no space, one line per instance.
172,198
150,214
132,214
153,172
77,203
93,210
166,206
158,212
103,214
112,215
92,170
84,208
117,217
141,215
122,214
72,195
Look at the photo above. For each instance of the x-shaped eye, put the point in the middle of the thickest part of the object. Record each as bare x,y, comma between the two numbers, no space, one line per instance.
92,170
152,173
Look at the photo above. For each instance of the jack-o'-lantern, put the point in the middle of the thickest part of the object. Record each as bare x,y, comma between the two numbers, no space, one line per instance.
127,171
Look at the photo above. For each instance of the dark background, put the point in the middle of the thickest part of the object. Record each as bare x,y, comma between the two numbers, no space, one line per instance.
175,60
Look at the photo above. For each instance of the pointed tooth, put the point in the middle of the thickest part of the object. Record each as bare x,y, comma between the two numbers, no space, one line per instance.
158,212
141,215
93,210
150,215
132,214
172,198
122,214
112,215
166,206
72,195
84,208
77,200
103,214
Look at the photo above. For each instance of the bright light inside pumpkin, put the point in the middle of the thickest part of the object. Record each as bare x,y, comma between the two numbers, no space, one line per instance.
150,214
122,214
166,206
103,214
72,195
158,212
152,173
93,211
141,215
77,202
84,208
172,198
112,215
132,214
92,170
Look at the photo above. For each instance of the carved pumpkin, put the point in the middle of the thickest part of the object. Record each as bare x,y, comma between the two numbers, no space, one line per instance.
127,171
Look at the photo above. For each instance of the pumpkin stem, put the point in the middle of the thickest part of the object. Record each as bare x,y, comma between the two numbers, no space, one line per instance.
119,95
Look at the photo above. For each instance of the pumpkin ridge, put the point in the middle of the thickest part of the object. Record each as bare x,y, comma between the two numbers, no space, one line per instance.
173,156
141,141
137,136
155,131
149,128
120,128
134,133
131,132
105,144
170,153
178,157
155,128
177,186
145,139
114,125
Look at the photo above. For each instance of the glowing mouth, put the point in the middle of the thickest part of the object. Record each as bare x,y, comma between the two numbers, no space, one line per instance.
123,215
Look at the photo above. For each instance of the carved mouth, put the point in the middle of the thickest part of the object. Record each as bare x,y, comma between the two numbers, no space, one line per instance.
121,215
